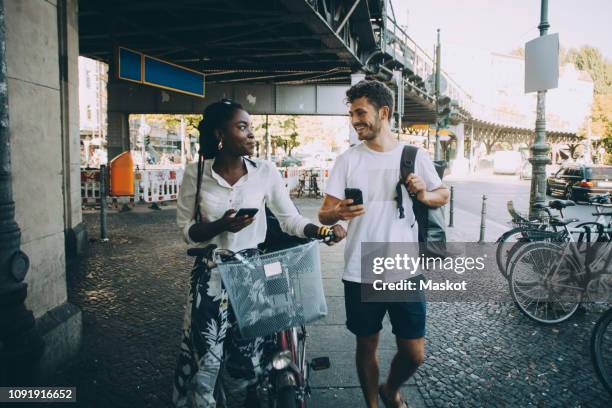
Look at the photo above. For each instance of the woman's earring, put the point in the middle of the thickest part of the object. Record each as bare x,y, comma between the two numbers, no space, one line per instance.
220,145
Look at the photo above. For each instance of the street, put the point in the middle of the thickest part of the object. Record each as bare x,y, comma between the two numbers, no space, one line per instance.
132,293
499,189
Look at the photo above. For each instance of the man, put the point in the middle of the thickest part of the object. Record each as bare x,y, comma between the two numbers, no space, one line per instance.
374,167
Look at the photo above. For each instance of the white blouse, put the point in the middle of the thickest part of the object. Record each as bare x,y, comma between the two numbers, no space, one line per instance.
261,186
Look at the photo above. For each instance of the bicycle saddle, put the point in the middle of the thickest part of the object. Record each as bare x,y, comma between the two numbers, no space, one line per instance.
560,204
540,206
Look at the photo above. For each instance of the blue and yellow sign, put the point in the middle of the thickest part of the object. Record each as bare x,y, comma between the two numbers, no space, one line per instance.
137,67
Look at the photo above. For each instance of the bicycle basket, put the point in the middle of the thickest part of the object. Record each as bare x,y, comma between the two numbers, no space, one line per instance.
276,291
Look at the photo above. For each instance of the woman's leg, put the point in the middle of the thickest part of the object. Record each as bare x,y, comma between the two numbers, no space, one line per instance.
204,333
246,362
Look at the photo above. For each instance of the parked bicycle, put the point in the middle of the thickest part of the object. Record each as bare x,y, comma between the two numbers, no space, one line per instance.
274,295
549,280
550,228
601,349
308,184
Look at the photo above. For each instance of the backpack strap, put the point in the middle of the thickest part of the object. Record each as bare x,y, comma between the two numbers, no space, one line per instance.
406,167
196,208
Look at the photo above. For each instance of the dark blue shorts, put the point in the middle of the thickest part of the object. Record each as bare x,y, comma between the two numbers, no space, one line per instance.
365,318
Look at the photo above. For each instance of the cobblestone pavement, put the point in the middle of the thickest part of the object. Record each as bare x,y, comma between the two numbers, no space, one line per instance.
132,293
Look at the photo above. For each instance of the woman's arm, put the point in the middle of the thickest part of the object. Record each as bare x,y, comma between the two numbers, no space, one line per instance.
205,231
185,214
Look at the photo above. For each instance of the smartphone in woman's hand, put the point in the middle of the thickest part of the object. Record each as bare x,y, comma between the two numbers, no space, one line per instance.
247,211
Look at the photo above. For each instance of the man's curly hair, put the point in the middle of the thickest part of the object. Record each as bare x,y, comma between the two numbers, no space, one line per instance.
378,94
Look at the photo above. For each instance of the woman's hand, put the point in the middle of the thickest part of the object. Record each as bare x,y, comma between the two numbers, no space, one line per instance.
339,232
313,231
235,224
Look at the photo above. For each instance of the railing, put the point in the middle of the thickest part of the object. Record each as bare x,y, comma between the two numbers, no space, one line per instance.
150,186
393,38
419,61
159,185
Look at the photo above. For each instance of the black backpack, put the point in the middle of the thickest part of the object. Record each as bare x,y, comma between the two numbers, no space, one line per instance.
431,221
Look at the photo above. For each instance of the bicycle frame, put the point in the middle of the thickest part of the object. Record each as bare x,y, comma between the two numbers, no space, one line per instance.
295,374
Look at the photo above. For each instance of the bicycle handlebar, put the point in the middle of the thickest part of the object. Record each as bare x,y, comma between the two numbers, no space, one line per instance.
600,199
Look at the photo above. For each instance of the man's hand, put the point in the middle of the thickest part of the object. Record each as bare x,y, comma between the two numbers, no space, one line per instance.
235,224
415,184
334,210
346,211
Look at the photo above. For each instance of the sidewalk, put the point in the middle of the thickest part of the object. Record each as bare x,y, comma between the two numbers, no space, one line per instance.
132,289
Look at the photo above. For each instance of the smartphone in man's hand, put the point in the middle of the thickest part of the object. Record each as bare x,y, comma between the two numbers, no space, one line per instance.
354,194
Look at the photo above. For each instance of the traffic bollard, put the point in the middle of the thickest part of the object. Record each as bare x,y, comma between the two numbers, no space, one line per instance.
452,205
103,206
483,217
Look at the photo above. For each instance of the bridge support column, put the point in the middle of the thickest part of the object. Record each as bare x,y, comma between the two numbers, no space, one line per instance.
118,127
118,135
459,166
353,138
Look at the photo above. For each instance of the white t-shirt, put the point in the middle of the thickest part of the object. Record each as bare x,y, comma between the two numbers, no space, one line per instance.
376,175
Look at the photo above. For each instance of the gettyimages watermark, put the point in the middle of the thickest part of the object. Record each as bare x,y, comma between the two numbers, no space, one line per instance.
541,272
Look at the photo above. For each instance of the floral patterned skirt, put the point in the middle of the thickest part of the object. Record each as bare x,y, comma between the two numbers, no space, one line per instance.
214,361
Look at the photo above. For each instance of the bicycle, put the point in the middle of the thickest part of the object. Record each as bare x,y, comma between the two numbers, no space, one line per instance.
549,228
548,280
542,229
601,349
286,382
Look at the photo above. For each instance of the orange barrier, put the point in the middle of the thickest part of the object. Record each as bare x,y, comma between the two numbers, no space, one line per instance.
122,175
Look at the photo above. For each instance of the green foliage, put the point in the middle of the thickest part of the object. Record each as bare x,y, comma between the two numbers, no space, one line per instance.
282,131
172,123
589,59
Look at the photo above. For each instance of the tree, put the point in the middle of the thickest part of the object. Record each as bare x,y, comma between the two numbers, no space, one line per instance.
288,135
589,59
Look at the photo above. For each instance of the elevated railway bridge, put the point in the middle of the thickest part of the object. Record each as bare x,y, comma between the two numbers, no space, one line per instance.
275,57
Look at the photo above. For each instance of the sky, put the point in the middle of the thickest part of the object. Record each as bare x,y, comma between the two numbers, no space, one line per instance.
504,25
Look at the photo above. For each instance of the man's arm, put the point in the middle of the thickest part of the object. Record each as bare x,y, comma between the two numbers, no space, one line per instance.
434,199
333,210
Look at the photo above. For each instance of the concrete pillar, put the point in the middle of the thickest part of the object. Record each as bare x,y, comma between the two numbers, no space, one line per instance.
75,233
41,57
118,126
353,138
459,166
118,136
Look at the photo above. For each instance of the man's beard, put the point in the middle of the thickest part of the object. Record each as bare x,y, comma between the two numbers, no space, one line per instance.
374,131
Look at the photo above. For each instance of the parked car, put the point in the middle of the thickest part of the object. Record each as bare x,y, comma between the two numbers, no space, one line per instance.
507,162
580,181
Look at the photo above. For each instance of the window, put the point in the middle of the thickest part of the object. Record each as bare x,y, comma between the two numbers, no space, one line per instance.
89,112
88,79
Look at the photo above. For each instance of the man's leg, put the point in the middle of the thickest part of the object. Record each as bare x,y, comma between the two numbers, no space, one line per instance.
367,368
364,320
410,355
408,323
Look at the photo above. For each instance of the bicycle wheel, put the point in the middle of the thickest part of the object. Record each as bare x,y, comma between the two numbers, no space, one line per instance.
543,283
601,349
511,241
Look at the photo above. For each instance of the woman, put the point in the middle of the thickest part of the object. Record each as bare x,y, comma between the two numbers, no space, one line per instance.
211,345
